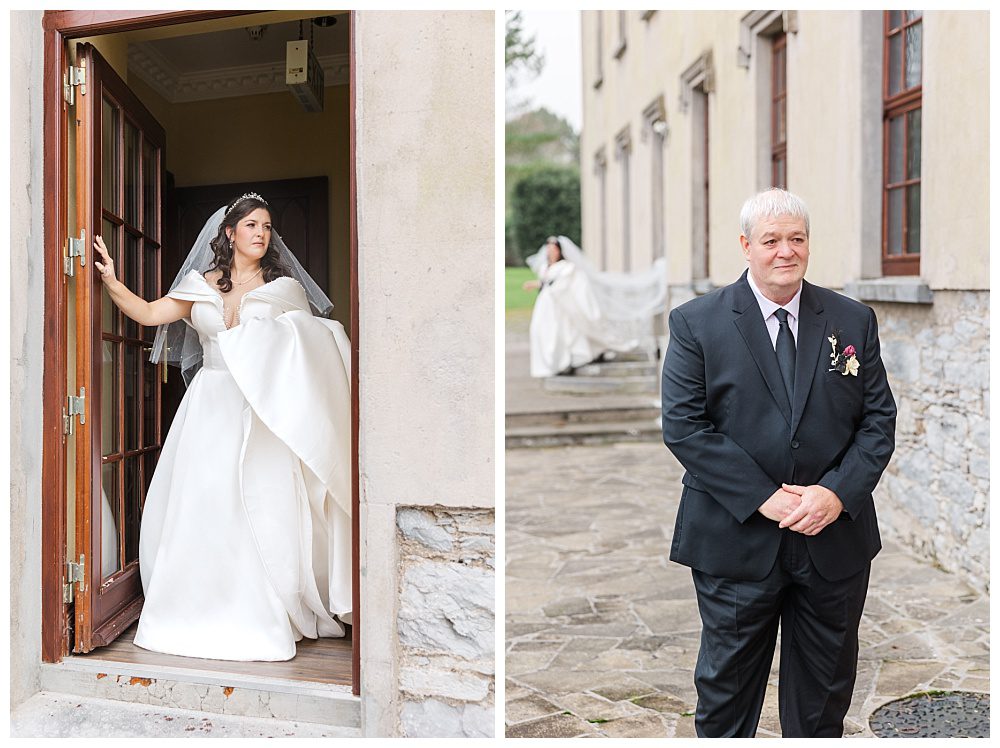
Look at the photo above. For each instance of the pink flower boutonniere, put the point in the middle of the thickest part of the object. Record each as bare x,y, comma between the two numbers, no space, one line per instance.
844,360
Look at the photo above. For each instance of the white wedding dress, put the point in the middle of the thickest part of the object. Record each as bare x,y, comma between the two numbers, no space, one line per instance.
245,542
567,326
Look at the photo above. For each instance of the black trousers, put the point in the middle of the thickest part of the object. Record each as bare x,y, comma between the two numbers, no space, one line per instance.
819,647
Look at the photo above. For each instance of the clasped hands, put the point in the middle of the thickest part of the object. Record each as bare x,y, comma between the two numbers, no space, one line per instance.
805,509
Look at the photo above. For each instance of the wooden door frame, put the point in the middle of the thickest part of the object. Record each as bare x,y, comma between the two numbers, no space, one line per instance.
58,28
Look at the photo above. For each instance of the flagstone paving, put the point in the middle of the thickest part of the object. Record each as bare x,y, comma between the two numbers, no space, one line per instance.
602,630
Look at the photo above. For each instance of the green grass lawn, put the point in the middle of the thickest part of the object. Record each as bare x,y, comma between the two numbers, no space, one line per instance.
515,298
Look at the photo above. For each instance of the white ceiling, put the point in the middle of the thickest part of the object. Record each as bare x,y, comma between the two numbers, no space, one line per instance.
229,63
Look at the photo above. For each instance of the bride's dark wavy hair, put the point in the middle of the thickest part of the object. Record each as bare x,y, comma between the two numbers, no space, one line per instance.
236,211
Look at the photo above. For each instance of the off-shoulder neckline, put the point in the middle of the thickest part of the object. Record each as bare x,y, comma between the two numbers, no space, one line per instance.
215,290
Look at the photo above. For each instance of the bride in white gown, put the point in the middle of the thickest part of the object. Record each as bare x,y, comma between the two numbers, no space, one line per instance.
245,541
581,312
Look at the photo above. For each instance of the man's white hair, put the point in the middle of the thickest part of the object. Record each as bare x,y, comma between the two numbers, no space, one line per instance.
771,204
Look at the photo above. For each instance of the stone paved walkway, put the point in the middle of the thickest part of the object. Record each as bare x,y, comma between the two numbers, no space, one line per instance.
602,630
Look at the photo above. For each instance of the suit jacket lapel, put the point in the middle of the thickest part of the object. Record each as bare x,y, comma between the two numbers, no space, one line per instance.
751,326
810,346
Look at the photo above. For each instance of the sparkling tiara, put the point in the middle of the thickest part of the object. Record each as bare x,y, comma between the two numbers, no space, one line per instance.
244,197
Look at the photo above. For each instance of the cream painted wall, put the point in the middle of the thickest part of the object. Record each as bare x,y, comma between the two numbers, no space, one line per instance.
27,276
425,175
824,139
276,140
955,225
829,161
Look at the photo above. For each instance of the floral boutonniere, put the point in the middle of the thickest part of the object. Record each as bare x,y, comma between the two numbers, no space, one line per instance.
843,358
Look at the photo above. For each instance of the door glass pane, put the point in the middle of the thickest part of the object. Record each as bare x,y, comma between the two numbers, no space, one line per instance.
895,218
133,502
150,184
913,55
912,14
779,136
149,372
109,312
779,172
109,156
913,219
150,285
894,18
895,62
913,145
110,520
131,405
109,397
896,150
131,174
781,69
148,466
130,277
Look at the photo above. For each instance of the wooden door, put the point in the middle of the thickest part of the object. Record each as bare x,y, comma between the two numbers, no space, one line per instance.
120,164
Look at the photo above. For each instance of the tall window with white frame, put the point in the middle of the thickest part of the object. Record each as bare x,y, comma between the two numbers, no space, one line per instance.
601,172
901,128
599,49
779,149
623,152
622,42
700,186
654,132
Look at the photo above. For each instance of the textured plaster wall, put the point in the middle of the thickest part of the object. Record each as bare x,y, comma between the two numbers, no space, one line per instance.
955,192
425,144
26,311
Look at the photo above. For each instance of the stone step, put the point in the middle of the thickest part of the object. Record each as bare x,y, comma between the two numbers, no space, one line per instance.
649,412
61,715
207,691
606,432
618,369
602,385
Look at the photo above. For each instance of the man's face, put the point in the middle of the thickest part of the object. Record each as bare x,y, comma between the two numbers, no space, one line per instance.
778,254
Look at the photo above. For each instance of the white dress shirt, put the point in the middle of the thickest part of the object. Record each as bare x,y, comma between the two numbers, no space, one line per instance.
768,307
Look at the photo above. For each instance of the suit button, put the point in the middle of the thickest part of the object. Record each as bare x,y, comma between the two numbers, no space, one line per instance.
795,443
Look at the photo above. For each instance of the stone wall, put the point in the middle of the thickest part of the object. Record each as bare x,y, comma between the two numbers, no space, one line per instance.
446,621
934,496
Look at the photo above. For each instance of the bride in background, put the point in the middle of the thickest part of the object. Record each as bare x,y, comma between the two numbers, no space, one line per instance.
245,541
581,312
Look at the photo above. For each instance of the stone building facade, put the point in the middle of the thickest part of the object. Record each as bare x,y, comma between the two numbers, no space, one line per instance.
679,129
424,97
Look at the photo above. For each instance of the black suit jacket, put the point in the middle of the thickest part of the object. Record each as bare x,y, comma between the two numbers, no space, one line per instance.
727,419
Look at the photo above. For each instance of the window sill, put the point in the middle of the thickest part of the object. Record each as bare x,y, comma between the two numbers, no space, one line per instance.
899,289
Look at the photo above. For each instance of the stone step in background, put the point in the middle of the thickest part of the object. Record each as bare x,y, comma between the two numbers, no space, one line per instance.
615,399
585,385
618,369
602,432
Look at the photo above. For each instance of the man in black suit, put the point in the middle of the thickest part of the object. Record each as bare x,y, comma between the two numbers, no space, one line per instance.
776,403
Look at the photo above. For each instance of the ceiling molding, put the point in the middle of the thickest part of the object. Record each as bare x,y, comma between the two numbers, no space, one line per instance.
245,80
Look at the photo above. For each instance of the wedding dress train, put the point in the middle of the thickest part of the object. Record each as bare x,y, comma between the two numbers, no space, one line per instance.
245,542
